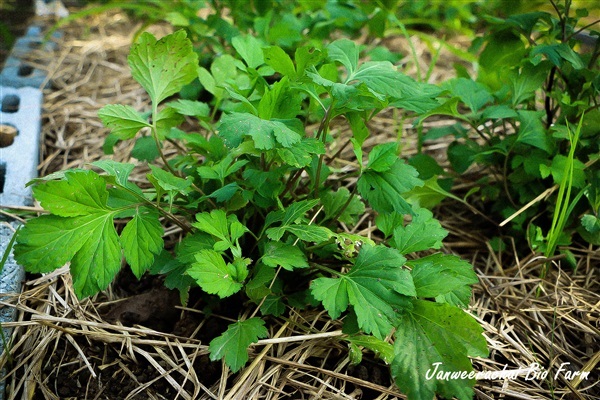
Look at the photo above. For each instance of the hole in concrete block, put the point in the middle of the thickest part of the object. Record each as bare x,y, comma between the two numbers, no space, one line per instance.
10,103
25,70
35,45
7,135
2,176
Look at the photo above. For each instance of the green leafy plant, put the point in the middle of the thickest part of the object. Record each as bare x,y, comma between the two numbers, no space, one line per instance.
535,78
257,200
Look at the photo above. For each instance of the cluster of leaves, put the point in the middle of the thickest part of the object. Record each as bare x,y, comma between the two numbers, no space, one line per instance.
536,81
258,202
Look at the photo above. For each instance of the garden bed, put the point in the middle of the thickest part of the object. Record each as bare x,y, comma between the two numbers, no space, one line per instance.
136,340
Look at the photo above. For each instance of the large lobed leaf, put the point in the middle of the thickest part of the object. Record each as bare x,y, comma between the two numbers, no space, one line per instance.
376,287
81,231
265,134
436,333
424,232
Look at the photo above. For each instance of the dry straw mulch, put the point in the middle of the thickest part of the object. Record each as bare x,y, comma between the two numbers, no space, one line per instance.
60,342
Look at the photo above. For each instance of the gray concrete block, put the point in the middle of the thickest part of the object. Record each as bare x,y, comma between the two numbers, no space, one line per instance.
11,279
17,72
20,126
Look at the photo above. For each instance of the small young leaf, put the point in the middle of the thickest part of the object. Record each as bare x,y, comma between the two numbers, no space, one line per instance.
436,333
142,240
378,346
273,305
120,171
170,182
474,94
383,190
284,255
383,156
424,232
334,201
163,67
124,121
233,344
532,131
214,275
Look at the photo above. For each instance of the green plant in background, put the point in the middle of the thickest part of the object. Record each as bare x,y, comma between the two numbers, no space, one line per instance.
534,79
258,200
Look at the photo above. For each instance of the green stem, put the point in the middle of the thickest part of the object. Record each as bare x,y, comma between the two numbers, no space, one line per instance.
322,133
327,269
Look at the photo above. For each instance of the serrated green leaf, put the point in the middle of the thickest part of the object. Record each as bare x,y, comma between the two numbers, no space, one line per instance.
382,79
166,119
49,242
163,67
225,193
124,121
233,344
443,274
383,156
142,240
558,53
378,346
383,190
429,195
376,287
532,131
386,223
213,275
145,149
80,193
250,49
436,333
280,102
120,171
307,233
265,134
174,271
272,305
301,154
305,57
226,228
214,223
346,52
474,94
423,233
284,255
280,61
334,201
90,242
591,223
190,107
169,182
